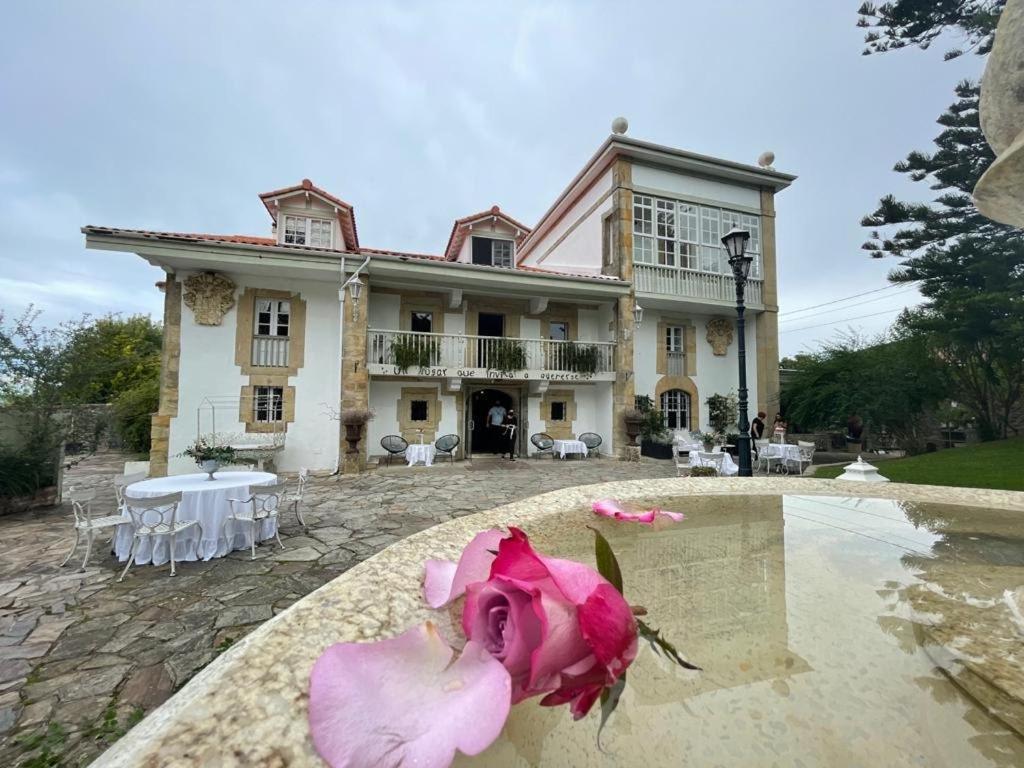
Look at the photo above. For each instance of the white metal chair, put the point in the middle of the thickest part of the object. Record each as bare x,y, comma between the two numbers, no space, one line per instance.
763,459
81,506
263,504
806,458
713,460
153,517
123,481
296,498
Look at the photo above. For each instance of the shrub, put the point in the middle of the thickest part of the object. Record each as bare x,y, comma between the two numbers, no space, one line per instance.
722,412
703,472
25,472
133,410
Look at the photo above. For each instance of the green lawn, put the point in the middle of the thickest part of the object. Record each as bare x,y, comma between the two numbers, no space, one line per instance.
999,464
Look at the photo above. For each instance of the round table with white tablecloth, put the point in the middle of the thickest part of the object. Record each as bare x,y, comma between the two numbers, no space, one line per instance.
204,500
783,453
563,447
417,452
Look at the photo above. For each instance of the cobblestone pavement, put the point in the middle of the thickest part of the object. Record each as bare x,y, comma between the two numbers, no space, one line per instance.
82,658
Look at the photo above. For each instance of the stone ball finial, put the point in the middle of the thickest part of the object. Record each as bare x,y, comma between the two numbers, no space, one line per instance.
766,159
619,126
495,209
307,184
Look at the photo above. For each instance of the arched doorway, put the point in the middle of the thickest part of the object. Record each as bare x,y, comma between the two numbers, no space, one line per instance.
483,438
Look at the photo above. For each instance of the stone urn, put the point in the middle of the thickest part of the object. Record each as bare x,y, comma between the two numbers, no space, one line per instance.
209,466
632,429
353,434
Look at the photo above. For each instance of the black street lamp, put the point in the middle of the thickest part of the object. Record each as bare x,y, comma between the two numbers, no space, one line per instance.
735,242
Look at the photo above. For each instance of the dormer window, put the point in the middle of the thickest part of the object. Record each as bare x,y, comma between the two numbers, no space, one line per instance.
493,252
300,230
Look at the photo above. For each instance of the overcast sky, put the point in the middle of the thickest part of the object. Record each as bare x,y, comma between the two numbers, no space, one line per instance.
175,116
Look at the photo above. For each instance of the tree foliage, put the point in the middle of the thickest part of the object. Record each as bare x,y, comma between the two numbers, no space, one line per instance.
901,23
110,356
890,384
969,269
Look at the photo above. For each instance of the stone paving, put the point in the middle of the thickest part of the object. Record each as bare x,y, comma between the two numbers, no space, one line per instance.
83,658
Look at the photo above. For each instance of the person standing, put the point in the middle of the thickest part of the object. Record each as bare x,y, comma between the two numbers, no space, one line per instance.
511,427
757,426
495,423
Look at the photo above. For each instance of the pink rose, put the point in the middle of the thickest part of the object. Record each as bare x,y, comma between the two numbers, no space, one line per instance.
557,626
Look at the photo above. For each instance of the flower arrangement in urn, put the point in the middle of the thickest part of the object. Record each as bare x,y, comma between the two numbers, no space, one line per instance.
209,456
534,626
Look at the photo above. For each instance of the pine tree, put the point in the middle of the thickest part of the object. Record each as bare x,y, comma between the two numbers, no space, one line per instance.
900,23
970,269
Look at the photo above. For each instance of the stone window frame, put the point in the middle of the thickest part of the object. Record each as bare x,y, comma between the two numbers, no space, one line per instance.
245,327
408,428
559,430
689,345
247,404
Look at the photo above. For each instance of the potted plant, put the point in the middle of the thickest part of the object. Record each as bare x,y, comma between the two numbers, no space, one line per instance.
507,355
732,441
633,418
703,472
655,441
354,419
707,439
209,456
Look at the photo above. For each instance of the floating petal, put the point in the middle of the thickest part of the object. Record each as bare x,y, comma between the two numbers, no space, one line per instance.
398,702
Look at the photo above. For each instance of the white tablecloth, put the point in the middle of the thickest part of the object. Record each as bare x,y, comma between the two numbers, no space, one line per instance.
417,452
563,447
203,500
728,465
781,451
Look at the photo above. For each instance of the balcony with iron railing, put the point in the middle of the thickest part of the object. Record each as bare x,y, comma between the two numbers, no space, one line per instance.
270,351
691,284
408,353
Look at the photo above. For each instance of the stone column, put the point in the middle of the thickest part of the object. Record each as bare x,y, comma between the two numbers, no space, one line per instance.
355,381
170,359
767,323
622,265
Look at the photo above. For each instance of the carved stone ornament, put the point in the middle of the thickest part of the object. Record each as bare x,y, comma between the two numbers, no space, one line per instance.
719,335
209,296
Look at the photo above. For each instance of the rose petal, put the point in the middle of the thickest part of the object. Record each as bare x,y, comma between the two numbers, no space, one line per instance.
398,702
444,581
524,629
675,516
612,509
562,645
608,626
607,507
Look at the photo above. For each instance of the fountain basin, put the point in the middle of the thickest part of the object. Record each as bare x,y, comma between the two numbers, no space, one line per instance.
836,622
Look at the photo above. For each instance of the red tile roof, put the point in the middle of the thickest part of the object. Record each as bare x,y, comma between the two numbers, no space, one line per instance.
460,229
269,241
346,213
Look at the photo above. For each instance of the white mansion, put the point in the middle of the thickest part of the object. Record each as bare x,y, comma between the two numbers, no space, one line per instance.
261,341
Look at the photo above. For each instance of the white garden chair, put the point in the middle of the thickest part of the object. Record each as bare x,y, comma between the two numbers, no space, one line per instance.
152,518
123,481
263,504
763,459
806,458
295,500
711,459
81,506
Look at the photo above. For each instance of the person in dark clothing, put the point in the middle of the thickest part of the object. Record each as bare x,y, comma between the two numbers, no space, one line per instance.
511,426
757,426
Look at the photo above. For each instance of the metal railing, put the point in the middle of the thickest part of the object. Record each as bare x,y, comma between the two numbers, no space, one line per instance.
410,350
687,283
675,363
270,351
